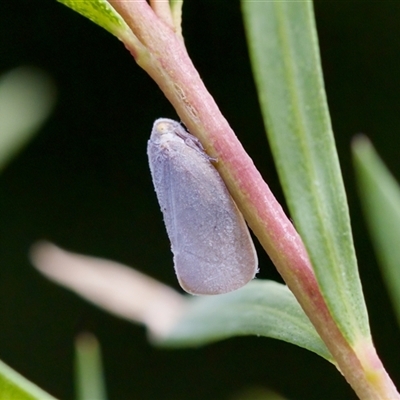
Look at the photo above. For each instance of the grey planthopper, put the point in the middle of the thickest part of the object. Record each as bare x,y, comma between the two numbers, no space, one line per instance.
212,247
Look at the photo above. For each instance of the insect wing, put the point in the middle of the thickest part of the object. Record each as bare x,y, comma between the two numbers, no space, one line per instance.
212,247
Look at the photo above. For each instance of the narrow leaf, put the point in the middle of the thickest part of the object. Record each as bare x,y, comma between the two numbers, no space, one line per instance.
264,308
88,369
14,386
284,52
380,198
176,11
27,96
100,12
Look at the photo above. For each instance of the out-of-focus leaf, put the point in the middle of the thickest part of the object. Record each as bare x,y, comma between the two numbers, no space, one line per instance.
117,288
27,96
262,308
380,198
14,386
88,369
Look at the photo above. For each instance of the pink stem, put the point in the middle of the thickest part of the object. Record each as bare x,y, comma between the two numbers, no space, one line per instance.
171,68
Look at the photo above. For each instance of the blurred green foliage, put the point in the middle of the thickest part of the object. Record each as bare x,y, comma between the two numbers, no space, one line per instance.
83,182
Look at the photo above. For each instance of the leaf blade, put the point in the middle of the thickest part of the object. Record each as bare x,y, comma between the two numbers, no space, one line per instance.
380,199
15,386
262,307
27,97
283,47
89,376
100,12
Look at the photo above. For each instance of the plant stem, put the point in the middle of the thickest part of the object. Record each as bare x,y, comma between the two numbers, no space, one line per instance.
168,63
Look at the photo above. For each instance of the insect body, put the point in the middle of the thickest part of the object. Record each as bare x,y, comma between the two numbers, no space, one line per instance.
212,248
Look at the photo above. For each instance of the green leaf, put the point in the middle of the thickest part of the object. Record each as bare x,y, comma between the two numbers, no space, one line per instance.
100,12
380,198
262,307
27,96
88,369
14,386
176,11
284,52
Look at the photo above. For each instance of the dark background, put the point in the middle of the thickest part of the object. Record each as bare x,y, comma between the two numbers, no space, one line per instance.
83,182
